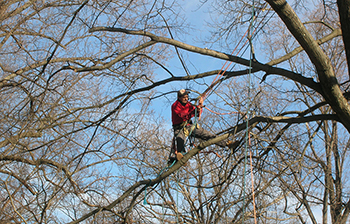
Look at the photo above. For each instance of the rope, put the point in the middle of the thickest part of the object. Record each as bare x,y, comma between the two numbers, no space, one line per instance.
177,197
248,117
253,192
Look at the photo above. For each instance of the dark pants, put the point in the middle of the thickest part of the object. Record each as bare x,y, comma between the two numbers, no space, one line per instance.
198,132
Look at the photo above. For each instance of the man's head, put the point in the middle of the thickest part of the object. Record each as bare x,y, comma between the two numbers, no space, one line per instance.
182,96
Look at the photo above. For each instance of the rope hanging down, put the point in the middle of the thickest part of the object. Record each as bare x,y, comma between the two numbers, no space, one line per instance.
247,144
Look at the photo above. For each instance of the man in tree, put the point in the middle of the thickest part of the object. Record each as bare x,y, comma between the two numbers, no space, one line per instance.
181,113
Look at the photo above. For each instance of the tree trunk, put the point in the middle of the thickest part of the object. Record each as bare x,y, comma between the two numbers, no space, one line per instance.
344,16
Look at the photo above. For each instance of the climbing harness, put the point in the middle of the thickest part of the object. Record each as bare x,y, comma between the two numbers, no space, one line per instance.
187,133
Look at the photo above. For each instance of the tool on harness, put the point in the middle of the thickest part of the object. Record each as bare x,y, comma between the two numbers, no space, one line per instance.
188,132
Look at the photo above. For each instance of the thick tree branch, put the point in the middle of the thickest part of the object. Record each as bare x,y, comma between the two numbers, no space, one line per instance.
256,66
330,87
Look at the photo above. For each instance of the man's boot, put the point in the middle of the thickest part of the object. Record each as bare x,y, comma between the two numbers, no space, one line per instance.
179,156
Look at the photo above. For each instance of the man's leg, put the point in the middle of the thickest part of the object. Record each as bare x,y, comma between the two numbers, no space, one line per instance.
205,135
180,139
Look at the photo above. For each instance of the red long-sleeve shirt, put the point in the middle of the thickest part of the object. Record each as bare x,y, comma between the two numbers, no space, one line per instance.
181,113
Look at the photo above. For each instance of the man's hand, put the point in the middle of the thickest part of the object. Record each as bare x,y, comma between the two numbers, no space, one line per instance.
200,102
200,105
